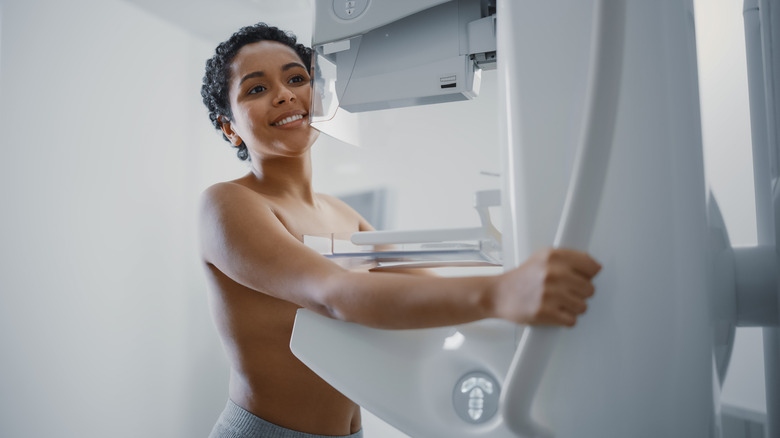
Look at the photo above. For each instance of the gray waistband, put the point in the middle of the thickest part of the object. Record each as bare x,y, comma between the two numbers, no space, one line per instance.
235,422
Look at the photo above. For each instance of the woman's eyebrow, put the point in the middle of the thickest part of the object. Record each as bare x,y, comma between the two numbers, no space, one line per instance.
257,74
254,74
292,65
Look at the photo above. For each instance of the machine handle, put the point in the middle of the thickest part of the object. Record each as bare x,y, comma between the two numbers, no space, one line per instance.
580,209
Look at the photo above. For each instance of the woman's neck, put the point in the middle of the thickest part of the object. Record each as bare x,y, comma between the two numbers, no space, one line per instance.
288,177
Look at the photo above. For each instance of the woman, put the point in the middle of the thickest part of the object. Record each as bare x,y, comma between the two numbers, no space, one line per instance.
257,88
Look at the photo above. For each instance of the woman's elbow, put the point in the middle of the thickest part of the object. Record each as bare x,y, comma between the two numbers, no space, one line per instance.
329,297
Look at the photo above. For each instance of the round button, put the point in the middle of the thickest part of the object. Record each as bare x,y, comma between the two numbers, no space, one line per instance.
349,9
475,397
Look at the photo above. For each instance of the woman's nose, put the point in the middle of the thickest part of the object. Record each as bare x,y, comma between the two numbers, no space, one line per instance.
284,95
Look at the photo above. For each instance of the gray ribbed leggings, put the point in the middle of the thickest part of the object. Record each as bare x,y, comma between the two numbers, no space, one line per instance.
236,422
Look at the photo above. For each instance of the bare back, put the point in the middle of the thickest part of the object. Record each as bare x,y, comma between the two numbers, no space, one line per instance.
255,329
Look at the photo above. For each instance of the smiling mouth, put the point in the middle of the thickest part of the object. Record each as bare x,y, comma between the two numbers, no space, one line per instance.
287,120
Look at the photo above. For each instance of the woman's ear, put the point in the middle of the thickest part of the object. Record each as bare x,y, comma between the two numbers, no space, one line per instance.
227,129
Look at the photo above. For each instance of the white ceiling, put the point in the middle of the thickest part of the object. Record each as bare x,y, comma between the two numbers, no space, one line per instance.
216,20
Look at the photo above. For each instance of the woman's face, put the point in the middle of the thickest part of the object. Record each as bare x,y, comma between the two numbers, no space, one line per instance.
269,96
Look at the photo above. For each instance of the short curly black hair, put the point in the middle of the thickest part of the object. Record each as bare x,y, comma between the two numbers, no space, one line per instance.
216,81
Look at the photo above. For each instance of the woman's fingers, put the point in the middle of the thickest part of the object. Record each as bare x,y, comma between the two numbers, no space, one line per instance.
550,288
580,262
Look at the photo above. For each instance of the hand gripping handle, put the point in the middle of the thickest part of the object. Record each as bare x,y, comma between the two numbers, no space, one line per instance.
580,209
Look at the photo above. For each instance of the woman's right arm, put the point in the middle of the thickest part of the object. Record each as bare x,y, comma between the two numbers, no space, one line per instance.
245,240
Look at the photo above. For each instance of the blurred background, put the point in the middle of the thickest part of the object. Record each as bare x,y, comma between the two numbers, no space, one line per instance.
105,147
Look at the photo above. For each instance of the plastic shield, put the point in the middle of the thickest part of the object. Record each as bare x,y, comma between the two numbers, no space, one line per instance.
333,64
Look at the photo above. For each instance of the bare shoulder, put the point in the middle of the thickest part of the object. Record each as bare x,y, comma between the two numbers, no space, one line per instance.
226,192
231,198
230,213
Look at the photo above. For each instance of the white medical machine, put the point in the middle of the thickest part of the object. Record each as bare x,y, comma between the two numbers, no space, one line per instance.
624,182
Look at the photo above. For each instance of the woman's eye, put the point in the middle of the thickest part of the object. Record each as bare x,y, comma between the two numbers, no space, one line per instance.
256,89
296,79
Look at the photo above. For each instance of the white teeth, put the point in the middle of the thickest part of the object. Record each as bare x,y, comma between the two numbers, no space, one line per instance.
288,120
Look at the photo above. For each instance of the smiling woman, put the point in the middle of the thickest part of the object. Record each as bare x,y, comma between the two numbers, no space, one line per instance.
219,93
257,88
269,101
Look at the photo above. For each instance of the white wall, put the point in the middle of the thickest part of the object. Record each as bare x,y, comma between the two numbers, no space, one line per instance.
104,328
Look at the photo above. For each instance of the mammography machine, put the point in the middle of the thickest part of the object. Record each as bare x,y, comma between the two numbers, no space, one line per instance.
622,179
